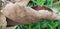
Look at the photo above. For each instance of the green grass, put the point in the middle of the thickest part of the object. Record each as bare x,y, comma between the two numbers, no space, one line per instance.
45,24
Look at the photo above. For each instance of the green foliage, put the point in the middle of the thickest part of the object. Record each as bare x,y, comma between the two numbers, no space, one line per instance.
0,7
48,3
45,24
36,2
39,2
42,2
0,0
1,26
